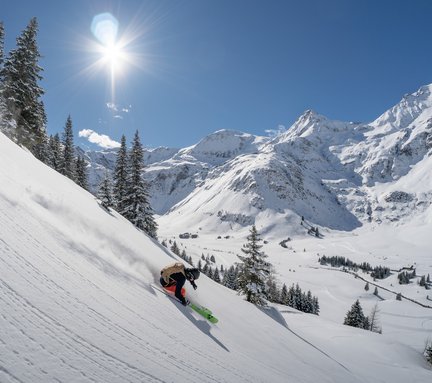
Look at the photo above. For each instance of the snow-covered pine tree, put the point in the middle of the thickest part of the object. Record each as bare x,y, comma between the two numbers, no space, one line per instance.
205,269
136,206
105,193
55,152
67,167
376,291
199,266
210,272
298,301
284,295
216,276
316,306
81,172
367,286
254,270
355,316
2,35
4,125
175,249
428,352
366,323
20,76
272,293
229,278
120,175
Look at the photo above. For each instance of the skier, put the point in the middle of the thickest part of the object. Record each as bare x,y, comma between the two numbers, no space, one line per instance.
174,276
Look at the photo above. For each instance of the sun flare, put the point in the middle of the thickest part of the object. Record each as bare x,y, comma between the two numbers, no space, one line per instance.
112,50
113,55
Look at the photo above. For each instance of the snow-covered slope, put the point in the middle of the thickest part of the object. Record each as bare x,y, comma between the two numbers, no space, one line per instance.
79,302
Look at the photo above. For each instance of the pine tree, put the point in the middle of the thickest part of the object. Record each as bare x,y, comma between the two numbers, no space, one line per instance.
398,296
428,353
67,166
284,295
136,205
81,172
254,270
205,269
2,35
367,286
366,323
55,152
210,272
229,279
6,125
355,316
376,291
120,175
21,91
428,279
105,193
422,281
175,249
216,276
199,265
183,254
272,293
316,306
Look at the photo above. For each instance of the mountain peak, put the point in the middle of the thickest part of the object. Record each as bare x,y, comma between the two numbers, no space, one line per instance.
405,112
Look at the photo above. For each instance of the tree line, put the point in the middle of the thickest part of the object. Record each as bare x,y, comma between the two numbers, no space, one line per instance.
23,120
377,272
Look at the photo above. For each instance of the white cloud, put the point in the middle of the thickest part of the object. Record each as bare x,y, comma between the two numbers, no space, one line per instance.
99,139
112,106
118,109
118,116
274,132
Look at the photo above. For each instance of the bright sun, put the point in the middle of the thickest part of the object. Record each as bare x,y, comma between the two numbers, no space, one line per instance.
113,56
105,28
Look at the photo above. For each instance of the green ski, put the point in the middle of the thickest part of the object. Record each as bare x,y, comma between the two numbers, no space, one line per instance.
206,313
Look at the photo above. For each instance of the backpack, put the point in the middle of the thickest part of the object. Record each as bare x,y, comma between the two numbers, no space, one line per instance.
177,267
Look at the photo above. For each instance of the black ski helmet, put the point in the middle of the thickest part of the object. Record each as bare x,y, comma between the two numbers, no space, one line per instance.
192,273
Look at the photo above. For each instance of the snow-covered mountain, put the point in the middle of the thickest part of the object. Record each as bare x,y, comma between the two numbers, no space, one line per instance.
79,302
337,175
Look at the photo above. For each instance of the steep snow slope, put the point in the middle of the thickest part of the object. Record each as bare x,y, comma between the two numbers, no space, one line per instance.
78,303
77,300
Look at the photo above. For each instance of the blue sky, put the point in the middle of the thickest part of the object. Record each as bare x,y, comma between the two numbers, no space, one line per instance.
205,65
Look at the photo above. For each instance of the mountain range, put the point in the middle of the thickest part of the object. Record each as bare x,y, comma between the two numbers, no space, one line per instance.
336,175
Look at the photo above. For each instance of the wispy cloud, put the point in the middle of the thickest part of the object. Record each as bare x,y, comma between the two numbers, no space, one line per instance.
99,139
112,106
118,108
118,117
274,132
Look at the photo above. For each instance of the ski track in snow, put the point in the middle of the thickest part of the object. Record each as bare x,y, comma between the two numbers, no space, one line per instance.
85,358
